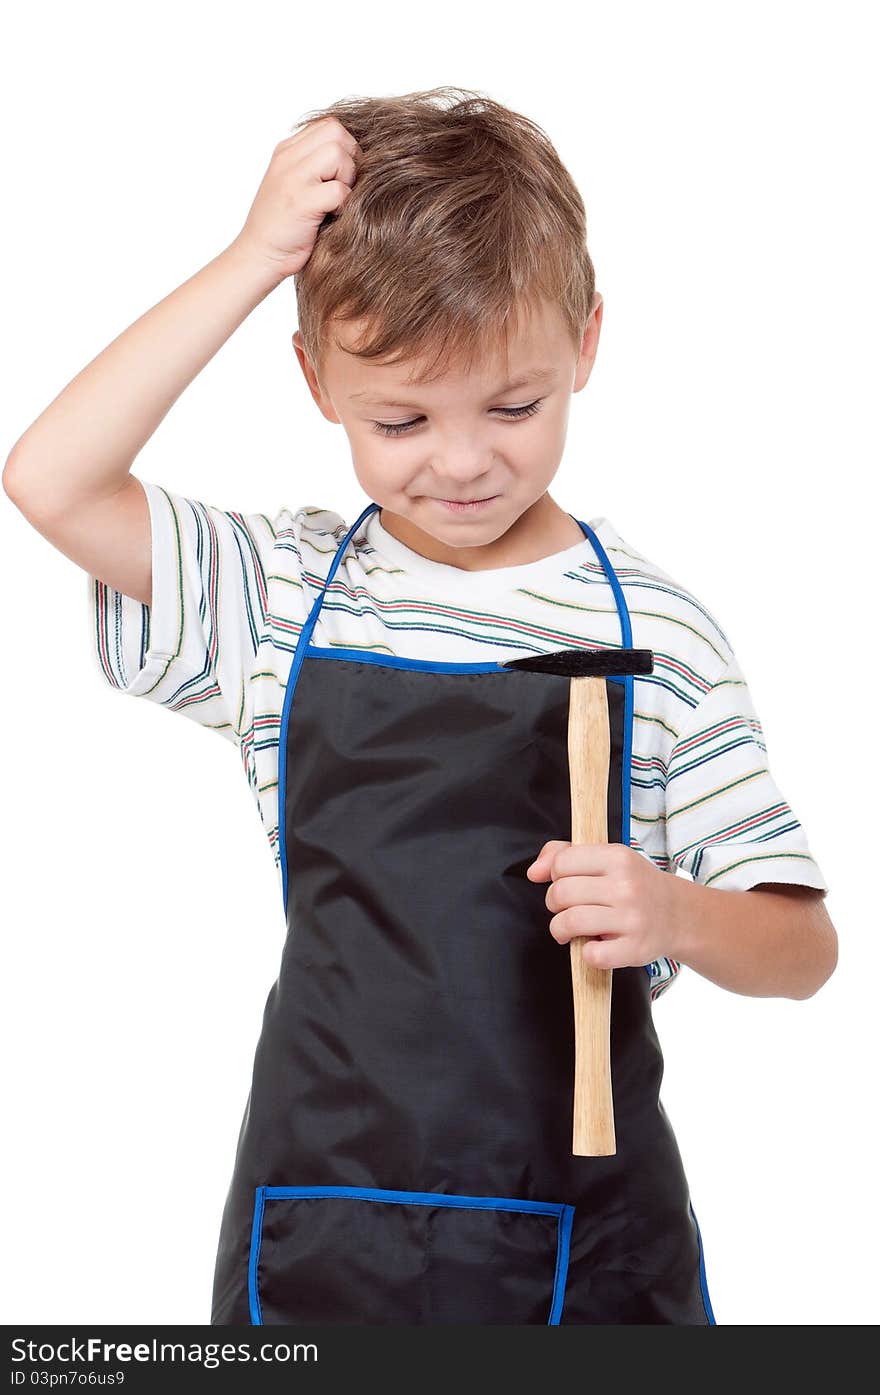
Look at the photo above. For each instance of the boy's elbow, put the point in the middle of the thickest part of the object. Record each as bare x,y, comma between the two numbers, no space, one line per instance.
823,938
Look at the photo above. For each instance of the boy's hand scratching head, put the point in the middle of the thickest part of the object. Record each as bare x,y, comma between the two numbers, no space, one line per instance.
310,175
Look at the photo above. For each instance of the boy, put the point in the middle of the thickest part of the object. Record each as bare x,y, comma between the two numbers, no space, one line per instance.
405,1154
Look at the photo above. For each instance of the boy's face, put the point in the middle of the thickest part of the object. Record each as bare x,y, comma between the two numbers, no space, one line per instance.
464,437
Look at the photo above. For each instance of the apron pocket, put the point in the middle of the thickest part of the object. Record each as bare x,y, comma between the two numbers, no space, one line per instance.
364,1255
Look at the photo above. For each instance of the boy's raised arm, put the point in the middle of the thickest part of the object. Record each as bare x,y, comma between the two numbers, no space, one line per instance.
69,473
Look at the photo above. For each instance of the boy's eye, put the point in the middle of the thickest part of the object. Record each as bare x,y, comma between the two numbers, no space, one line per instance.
387,428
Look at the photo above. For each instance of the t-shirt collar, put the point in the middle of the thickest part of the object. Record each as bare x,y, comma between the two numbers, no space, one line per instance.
441,578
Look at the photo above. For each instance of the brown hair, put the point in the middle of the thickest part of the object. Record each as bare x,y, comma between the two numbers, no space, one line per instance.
462,214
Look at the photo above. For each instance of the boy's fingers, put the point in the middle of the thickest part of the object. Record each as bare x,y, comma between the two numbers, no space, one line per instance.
602,954
587,890
539,870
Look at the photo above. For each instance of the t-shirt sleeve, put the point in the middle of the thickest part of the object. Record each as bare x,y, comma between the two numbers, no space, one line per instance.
727,822
193,649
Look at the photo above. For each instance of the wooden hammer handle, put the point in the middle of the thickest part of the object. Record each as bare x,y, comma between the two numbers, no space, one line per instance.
589,756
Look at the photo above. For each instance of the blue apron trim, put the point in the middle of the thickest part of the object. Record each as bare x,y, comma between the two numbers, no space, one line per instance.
566,1220
626,642
365,656
563,1211
256,1237
704,1288
295,665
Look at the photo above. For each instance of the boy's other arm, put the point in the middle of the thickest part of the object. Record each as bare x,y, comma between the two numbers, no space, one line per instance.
69,473
774,940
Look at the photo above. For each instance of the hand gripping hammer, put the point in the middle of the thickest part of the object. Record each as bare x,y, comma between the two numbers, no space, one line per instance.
589,756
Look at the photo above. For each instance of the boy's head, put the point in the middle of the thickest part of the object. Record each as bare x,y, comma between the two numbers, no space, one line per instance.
453,291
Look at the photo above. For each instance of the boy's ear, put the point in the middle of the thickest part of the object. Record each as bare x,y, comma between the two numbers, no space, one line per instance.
311,377
589,345
299,349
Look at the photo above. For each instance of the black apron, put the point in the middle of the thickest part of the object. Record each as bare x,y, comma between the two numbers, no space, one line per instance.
405,1153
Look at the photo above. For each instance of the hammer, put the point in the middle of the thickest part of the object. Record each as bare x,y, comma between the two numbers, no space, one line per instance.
589,758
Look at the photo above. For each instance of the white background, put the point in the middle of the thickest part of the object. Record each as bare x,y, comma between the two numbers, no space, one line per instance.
726,159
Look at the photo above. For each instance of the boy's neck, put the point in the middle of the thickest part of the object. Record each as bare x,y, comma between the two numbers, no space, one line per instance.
541,531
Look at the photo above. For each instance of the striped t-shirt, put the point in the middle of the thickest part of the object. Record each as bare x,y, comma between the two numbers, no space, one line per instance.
231,592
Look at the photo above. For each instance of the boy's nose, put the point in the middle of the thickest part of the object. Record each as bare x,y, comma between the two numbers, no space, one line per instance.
459,480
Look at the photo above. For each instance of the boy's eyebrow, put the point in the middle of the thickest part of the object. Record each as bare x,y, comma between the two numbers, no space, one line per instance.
532,376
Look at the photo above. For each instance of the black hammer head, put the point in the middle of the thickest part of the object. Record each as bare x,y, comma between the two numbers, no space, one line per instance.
587,663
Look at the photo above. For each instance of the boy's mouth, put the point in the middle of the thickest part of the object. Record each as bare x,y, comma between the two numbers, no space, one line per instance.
466,505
